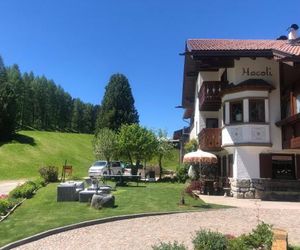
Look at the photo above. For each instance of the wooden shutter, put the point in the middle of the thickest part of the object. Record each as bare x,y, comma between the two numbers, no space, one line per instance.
230,165
219,166
298,166
224,166
265,165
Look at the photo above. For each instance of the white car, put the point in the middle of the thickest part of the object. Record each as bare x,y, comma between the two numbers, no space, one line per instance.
100,168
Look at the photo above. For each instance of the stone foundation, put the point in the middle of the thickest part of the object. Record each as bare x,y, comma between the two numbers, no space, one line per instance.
266,189
248,188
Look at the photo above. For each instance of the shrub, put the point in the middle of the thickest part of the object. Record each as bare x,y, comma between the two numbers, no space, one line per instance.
194,185
182,174
25,190
39,182
4,206
238,243
169,246
208,240
49,174
260,238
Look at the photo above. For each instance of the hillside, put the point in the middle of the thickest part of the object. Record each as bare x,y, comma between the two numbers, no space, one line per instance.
30,150
21,158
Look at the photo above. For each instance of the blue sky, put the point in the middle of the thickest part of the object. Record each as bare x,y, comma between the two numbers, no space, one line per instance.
80,43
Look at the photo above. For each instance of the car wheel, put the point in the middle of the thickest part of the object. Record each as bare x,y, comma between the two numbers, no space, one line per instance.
119,173
104,173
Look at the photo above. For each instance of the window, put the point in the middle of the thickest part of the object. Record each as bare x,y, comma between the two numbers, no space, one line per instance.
224,114
236,111
257,110
298,104
212,123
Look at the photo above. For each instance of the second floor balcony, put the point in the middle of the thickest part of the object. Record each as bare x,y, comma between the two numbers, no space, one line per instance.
210,139
290,127
209,96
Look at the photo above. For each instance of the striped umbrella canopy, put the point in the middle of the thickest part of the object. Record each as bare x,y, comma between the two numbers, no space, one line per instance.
200,156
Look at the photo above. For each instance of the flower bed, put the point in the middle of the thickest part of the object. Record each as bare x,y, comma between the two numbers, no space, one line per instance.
260,238
8,203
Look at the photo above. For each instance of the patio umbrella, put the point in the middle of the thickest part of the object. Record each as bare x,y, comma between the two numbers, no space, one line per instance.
201,157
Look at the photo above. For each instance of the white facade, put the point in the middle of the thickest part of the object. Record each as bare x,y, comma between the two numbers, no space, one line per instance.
244,140
200,117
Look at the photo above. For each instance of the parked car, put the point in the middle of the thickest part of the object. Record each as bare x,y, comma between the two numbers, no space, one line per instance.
100,168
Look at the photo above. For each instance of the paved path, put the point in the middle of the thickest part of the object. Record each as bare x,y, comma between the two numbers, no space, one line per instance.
7,186
249,203
142,233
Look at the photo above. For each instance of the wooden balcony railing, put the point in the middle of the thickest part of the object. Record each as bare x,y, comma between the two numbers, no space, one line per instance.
290,127
210,139
295,142
209,96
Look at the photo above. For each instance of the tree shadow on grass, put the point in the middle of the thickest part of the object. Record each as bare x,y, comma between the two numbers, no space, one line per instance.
133,186
203,206
18,138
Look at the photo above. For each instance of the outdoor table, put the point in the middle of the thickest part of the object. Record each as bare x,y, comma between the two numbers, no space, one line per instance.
68,191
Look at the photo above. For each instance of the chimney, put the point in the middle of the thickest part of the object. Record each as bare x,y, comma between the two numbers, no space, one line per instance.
293,30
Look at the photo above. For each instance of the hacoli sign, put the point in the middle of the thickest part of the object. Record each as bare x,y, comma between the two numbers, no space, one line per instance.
248,72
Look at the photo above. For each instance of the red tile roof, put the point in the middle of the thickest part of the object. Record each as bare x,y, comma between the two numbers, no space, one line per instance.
243,45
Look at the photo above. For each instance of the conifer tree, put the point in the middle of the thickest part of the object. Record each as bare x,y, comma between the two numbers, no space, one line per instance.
15,79
117,106
7,105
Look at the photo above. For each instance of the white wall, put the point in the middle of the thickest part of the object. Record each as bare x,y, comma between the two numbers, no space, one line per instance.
246,158
248,133
200,117
236,75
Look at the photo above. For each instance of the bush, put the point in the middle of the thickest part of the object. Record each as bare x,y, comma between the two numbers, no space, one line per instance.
208,240
169,246
194,185
25,190
39,182
4,206
49,174
182,174
260,238
237,243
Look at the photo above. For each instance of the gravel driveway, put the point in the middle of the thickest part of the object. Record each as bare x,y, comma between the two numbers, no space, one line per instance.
142,233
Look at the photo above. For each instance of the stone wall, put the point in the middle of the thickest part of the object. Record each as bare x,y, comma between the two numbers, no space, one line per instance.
248,188
267,189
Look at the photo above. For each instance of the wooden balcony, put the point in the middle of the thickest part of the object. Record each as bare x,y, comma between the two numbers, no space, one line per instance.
210,139
209,96
290,132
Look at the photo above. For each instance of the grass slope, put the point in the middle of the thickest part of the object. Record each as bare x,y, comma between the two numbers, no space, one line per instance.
30,150
171,162
42,212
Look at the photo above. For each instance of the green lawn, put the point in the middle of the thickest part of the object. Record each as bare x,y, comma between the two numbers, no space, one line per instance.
42,212
170,163
21,158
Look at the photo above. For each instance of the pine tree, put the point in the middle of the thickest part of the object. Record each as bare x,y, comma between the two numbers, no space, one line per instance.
117,106
14,77
7,105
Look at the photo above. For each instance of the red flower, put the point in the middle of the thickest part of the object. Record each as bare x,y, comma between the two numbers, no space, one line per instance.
3,196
